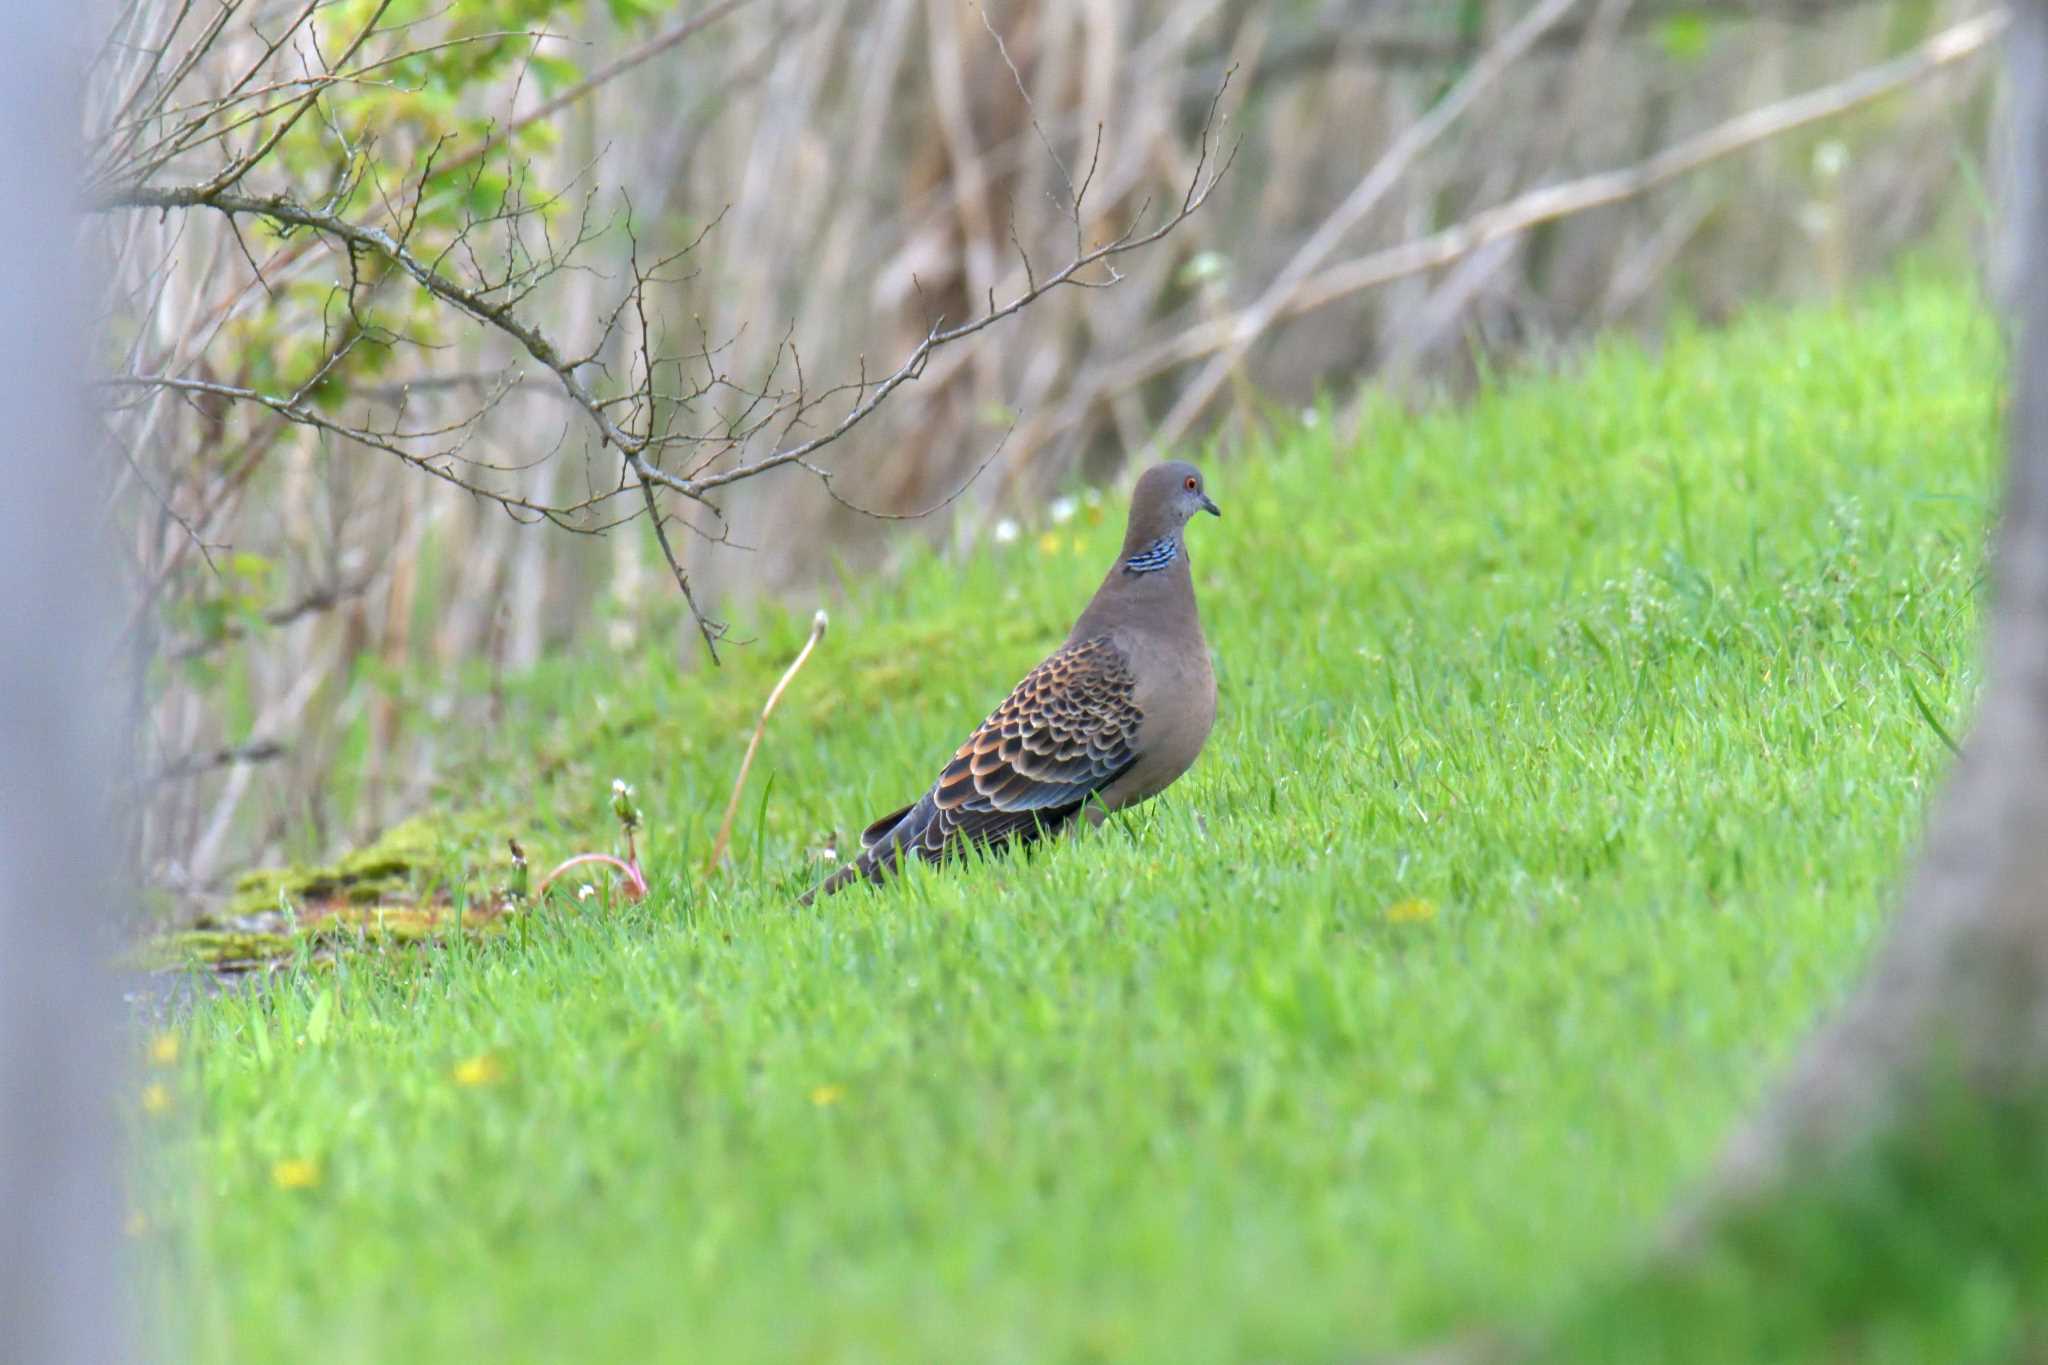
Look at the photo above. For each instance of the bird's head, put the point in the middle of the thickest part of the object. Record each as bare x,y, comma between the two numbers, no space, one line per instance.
1166,497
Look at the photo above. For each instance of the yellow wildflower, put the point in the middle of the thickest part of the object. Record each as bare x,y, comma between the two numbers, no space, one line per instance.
163,1049
156,1098
1411,912
482,1069
295,1173
826,1095
137,1224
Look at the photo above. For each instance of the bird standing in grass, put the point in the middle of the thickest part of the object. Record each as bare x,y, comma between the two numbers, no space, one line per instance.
1114,716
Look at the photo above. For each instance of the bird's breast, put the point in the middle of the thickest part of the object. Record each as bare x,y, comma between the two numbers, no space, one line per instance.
1176,701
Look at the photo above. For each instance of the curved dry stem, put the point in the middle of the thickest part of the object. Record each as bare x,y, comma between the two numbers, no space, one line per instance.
739,783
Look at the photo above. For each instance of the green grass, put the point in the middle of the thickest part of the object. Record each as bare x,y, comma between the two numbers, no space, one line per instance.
1928,1243
1614,672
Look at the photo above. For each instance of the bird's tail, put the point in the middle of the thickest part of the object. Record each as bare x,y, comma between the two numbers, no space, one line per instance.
884,845
838,881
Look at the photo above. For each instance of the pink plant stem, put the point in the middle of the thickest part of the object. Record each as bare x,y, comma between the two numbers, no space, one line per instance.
629,870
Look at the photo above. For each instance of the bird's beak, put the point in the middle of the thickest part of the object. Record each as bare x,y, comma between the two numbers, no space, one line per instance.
1211,508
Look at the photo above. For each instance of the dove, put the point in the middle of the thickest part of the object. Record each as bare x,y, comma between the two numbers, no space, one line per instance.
1111,718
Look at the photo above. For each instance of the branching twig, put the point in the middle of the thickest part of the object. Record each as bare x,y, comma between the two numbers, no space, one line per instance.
825,477
1201,186
627,423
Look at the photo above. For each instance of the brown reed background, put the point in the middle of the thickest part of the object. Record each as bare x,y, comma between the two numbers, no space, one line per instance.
871,162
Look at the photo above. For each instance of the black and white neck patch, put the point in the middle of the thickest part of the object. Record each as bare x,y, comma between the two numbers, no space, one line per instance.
1155,556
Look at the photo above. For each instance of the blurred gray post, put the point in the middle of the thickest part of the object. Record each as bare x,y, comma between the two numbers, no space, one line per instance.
60,1299
1963,976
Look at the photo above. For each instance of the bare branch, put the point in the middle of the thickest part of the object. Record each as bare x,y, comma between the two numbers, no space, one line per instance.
1002,49
825,477
712,631
472,302
1130,239
654,405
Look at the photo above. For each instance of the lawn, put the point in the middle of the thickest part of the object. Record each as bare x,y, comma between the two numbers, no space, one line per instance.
1570,741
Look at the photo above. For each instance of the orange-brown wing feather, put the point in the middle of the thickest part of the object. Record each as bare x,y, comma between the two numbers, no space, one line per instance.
1066,732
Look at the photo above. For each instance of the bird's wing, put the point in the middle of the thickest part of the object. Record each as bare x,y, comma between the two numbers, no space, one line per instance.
878,830
1065,733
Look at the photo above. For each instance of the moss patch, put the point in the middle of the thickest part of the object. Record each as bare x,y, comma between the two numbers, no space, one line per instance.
400,890
396,869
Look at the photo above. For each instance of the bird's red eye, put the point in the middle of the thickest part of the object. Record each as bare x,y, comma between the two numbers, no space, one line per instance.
1191,485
